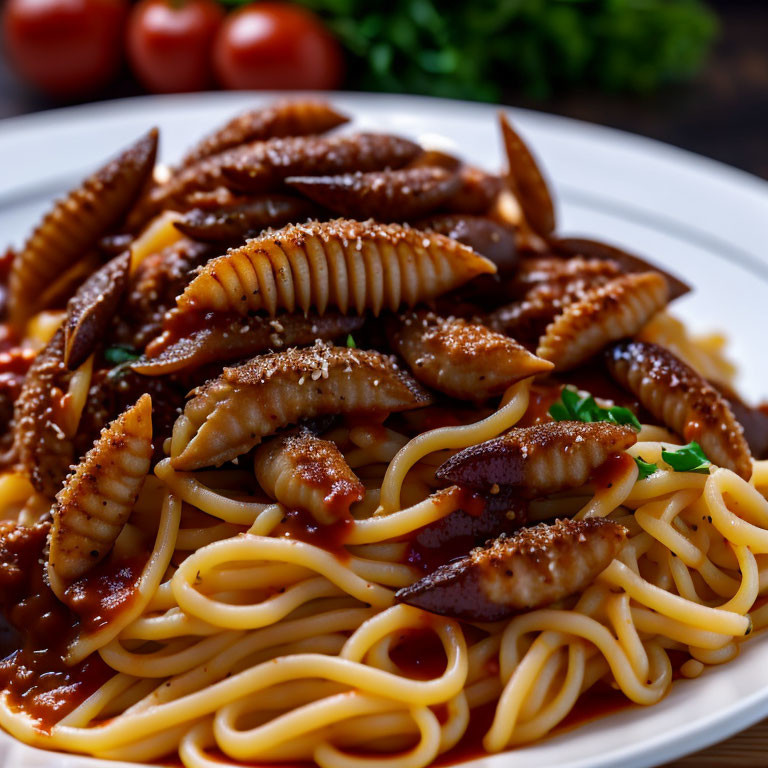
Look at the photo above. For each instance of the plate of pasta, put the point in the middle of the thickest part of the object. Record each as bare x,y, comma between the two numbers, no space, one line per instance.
367,430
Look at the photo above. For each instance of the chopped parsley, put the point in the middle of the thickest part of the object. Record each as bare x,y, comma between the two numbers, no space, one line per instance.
687,458
120,354
351,341
575,407
644,468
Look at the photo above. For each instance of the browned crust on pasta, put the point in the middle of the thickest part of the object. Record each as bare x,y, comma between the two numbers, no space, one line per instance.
231,414
533,568
43,450
571,247
683,400
482,235
98,497
234,223
464,360
352,265
528,181
303,471
539,460
242,337
608,313
76,224
290,117
388,195
91,309
477,191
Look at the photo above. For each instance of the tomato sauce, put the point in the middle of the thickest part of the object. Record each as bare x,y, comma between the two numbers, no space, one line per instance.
300,525
611,471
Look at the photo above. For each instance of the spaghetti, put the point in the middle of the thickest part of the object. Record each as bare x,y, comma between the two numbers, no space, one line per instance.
264,603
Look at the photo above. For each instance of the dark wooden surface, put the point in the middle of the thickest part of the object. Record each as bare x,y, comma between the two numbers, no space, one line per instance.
722,114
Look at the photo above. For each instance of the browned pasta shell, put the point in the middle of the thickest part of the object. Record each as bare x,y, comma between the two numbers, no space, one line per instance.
539,460
464,360
477,191
76,224
533,568
98,497
617,309
351,265
230,415
683,400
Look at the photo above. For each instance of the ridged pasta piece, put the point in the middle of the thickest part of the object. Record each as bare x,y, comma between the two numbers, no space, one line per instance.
388,195
528,181
95,503
302,471
289,117
547,286
241,337
533,568
482,235
577,247
351,265
92,308
234,223
683,400
538,460
230,415
41,446
617,309
261,166
76,224
464,360
477,191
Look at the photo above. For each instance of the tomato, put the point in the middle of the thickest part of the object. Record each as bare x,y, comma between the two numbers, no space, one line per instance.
65,47
274,46
169,43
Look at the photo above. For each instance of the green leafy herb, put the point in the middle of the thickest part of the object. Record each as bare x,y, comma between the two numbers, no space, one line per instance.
351,341
120,354
644,468
575,407
481,49
687,458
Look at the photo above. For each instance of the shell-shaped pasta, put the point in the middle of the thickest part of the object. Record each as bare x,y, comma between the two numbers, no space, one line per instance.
617,309
577,247
406,193
533,568
548,286
95,503
302,471
290,117
75,225
234,223
539,460
477,191
482,235
529,183
351,265
261,166
230,415
92,307
41,446
464,360
240,338
683,400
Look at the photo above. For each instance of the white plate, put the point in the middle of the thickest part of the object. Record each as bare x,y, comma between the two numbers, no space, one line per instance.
703,220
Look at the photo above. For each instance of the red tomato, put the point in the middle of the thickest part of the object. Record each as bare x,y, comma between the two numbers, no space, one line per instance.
65,47
271,46
169,43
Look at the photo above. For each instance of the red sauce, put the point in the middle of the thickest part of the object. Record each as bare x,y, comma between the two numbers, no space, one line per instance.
542,396
104,592
419,653
612,470
299,524
471,502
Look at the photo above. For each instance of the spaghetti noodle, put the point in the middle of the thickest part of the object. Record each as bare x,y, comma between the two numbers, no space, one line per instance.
262,611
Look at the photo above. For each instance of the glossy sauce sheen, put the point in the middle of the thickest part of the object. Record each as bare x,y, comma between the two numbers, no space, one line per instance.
300,525
609,473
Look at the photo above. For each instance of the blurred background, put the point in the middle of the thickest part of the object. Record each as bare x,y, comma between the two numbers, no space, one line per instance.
690,72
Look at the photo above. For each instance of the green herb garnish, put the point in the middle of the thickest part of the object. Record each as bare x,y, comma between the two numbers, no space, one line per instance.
351,341
120,354
687,458
575,407
644,468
